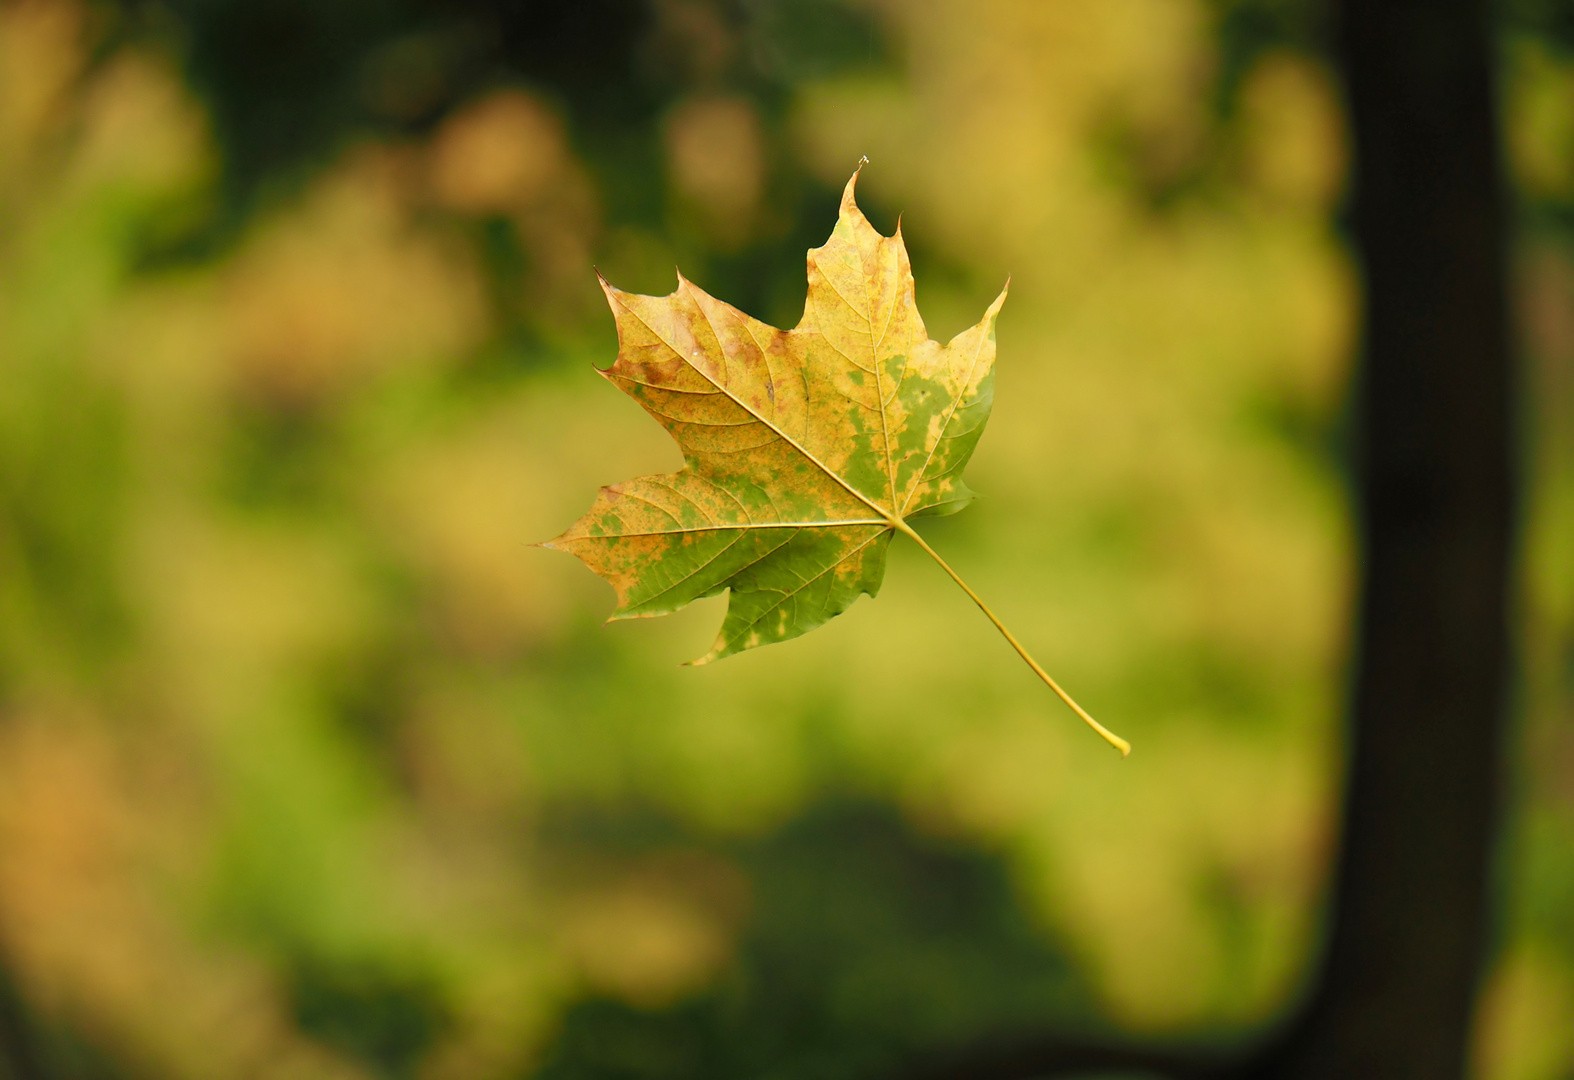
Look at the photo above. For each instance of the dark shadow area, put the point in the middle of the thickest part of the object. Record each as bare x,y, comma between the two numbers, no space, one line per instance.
33,1048
381,1016
866,944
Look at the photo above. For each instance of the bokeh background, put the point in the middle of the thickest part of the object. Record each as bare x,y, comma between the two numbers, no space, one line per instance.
311,768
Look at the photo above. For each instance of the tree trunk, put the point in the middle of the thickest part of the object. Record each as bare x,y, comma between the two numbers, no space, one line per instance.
1435,469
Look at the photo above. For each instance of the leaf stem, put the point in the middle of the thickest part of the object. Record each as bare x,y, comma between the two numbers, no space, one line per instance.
1109,736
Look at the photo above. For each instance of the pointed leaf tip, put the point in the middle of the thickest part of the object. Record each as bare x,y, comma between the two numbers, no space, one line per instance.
849,202
994,309
610,291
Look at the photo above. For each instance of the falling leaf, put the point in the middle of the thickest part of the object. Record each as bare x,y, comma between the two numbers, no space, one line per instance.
806,450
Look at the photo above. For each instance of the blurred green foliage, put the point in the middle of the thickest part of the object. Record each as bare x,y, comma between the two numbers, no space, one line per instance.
310,767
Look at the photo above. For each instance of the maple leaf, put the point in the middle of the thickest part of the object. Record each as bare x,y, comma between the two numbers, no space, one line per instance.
806,450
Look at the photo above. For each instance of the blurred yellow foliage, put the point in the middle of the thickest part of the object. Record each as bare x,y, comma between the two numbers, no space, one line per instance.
716,152
1524,1031
339,288
502,152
